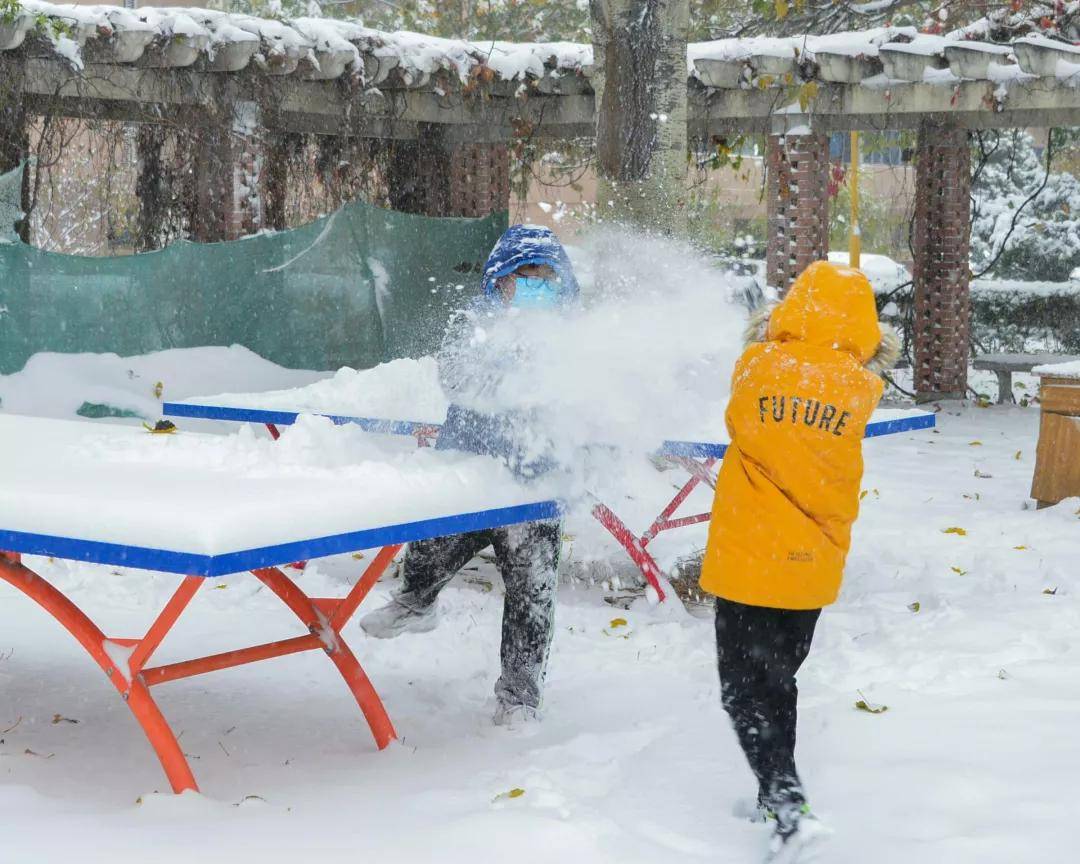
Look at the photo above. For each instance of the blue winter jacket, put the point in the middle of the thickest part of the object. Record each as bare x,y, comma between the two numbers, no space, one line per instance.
467,372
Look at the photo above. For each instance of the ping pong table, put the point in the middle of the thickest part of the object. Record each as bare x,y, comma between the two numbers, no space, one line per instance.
697,458
202,506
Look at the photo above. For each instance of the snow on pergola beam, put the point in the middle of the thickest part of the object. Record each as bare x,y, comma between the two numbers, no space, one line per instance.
332,77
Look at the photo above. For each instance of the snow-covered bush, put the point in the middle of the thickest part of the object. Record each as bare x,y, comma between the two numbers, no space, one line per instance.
1043,244
1009,316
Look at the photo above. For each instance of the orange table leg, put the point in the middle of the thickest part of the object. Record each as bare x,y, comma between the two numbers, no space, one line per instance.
324,619
135,693
342,656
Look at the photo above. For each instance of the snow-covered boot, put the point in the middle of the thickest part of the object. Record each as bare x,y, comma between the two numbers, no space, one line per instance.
797,836
394,618
514,715
751,810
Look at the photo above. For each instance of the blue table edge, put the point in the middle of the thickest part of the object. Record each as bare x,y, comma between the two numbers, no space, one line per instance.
191,564
696,449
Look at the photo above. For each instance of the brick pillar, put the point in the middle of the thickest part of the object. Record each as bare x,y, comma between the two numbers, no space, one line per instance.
227,166
436,176
279,149
797,171
941,271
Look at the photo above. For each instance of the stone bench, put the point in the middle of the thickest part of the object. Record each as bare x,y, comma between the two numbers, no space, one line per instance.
1006,364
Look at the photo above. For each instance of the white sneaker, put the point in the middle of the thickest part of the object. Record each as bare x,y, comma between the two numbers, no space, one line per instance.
512,716
797,838
393,619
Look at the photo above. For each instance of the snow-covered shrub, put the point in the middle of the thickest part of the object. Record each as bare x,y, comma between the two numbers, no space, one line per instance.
1025,317
1043,245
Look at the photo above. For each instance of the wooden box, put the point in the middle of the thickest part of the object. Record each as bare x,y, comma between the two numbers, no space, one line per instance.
1057,459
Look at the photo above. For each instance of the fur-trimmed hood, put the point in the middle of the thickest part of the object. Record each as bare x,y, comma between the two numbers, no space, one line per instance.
832,306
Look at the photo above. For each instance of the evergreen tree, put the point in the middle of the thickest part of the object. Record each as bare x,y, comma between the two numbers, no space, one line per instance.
1037,241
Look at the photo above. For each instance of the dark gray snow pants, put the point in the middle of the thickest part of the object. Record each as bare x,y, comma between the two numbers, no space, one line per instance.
528,559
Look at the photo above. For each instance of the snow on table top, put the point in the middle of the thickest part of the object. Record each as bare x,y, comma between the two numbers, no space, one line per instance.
398,390
408,391
1060,370
200,497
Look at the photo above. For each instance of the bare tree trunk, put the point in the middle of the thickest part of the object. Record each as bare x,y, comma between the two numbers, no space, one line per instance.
640,83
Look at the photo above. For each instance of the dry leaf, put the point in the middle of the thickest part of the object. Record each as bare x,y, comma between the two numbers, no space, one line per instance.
807,93
60,718
863,494
975,444
959,571
1003,675
1020,548
159,388
359,556
915,607
221,587
1017,456
618,622
982,476
1050,591
513,793
864,704
955,530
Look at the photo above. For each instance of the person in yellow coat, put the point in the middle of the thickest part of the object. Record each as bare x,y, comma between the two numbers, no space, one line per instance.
786,497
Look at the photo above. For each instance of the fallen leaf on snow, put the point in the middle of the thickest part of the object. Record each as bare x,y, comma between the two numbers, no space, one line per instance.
959,571
955,530
513,793
60,718
915,607
1017,456
982,476
1020,548
975,444
1050,591
618,622
866,705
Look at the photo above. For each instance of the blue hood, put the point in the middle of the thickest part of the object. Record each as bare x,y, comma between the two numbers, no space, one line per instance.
529,244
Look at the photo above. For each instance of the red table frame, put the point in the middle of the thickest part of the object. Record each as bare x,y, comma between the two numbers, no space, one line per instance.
637,546
323,617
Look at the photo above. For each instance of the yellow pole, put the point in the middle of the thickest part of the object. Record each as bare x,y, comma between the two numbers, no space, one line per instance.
855,237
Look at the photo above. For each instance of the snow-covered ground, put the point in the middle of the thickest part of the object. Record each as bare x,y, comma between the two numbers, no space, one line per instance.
973,763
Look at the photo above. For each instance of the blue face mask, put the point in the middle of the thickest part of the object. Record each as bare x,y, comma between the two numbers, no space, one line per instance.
533,293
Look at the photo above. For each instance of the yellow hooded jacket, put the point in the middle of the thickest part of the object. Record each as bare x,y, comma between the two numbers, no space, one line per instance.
788,490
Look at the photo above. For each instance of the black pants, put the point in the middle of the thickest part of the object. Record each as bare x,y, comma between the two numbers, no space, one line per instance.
759,651
528,559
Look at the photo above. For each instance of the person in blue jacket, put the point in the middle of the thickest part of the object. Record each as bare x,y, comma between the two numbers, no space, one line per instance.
528,269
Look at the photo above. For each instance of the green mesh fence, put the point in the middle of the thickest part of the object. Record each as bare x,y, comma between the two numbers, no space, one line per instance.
356,288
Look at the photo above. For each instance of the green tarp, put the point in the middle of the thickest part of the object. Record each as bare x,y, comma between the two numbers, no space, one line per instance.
356,288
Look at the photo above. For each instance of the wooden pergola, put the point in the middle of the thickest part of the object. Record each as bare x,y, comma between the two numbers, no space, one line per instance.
455,107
